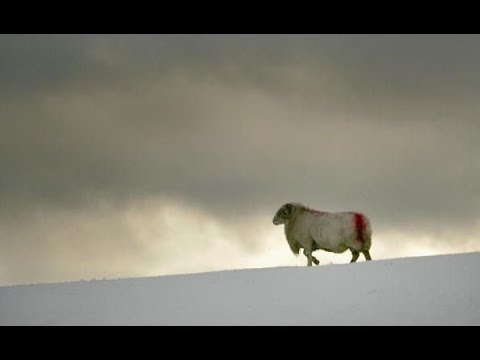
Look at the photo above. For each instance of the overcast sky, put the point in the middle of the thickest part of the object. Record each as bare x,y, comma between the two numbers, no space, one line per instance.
143,155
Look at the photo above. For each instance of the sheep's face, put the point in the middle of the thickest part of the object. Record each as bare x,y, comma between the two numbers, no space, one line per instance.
284,214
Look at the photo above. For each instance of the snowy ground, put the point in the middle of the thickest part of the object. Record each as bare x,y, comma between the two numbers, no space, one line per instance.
436,290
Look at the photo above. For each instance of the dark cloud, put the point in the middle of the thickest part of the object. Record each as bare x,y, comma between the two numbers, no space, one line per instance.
366,65
240,124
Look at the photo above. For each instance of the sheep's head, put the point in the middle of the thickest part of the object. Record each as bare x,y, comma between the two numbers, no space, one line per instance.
284,213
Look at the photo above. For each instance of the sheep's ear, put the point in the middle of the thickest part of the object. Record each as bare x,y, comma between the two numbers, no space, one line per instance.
289,210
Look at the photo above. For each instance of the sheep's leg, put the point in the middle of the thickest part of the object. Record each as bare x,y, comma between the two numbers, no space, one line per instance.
355,255
315,260
367,255
309,256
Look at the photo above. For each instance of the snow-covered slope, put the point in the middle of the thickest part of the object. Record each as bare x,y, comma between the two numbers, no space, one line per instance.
437,290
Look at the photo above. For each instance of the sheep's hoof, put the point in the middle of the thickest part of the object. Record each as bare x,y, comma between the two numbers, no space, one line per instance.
315,261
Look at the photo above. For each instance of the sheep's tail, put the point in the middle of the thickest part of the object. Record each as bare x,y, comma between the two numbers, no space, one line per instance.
363,230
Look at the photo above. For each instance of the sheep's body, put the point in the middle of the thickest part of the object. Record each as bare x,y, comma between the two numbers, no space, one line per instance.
317,230
335,232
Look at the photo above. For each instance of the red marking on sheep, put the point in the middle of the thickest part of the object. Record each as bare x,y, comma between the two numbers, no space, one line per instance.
359,225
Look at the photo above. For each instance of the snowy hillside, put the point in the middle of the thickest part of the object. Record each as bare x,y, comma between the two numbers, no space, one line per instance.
437,290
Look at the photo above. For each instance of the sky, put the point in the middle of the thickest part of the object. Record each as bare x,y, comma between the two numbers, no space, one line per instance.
145,155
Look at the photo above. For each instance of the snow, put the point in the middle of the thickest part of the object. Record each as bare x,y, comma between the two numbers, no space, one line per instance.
434,290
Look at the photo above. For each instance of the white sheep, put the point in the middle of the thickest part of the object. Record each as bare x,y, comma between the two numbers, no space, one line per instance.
330,231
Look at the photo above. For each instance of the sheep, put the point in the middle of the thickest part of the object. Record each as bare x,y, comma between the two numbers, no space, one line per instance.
330,231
